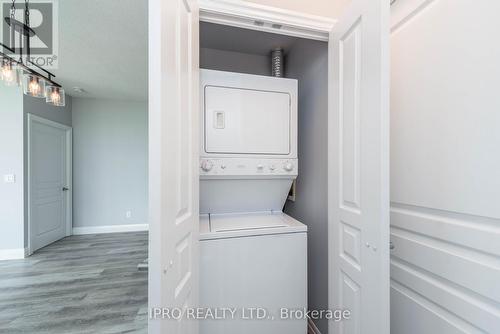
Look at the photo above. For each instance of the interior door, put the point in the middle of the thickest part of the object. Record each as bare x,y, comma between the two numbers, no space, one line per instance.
359,168
173,161
48,182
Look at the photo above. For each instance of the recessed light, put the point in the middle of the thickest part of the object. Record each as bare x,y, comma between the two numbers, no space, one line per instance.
79,90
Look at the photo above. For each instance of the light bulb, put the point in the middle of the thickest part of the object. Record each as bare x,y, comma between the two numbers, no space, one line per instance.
9,73
33,85
55,95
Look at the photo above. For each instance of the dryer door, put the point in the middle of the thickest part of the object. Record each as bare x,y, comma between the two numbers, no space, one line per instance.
246,121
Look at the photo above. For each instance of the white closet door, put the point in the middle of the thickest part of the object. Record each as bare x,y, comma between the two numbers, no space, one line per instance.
173,161
359,168
445,167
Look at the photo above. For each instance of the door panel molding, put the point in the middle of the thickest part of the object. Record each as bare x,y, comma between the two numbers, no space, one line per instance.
402,11
465,290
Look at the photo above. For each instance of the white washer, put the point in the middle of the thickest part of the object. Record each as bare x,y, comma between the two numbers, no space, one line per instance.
253,260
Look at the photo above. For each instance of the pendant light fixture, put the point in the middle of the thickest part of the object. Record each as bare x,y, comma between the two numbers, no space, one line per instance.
55,96
9,73
33,85
17,72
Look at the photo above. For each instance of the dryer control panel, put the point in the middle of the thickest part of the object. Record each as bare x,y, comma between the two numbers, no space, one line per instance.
248,167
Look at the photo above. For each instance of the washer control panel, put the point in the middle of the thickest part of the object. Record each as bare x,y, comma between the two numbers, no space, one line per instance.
248,167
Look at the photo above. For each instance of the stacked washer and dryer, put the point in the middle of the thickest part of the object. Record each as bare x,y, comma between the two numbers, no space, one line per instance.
253,256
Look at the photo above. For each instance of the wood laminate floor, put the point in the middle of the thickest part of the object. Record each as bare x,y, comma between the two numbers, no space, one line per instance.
80,284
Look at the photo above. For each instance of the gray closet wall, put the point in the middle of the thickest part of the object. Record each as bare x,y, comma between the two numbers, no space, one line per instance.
307,61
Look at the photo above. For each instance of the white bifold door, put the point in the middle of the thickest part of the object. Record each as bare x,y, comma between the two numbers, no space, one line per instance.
173,161
359,168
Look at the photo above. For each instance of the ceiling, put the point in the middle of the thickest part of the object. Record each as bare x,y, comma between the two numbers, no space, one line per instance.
220,37
103,48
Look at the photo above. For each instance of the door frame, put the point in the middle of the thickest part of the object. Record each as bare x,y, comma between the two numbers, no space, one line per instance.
69,172
244,14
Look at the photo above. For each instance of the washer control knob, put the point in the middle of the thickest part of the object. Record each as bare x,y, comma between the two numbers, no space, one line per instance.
288,166
207,165
260,167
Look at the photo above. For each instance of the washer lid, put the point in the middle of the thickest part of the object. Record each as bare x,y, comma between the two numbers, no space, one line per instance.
232,225
238,222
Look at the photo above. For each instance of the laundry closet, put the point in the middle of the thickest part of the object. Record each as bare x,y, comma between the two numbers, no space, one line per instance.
263,177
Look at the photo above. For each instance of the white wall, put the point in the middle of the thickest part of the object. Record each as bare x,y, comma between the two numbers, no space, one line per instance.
307,61
109,162
11,162
445,167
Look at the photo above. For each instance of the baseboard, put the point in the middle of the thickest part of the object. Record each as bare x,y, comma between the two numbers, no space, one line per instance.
13,254
110,229
311,327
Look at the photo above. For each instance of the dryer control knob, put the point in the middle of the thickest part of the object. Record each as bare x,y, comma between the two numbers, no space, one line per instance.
288,167
207,165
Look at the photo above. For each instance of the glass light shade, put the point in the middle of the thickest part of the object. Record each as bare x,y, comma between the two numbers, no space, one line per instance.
55,95
9,73
33,85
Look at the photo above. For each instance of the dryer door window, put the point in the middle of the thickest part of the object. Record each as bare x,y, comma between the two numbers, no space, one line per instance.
246,121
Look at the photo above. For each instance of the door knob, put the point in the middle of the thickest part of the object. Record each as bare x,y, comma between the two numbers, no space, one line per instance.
207,165
65,189
391,245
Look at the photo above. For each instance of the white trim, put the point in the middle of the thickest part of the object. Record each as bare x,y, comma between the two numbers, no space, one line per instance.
331,239
32,117
311,327
69,172
404,10
243,14
110,229
69,181
13,254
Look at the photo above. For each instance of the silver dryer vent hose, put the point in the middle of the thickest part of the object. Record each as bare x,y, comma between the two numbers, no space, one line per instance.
277,66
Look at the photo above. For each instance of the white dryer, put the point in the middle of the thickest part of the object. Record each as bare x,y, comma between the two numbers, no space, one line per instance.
252,254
